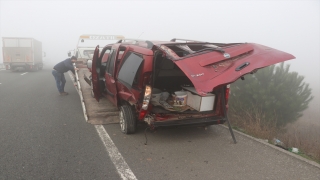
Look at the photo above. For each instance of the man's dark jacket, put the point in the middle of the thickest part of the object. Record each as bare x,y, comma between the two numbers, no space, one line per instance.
64,66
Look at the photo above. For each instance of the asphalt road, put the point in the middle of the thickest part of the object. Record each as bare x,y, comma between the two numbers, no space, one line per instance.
45,136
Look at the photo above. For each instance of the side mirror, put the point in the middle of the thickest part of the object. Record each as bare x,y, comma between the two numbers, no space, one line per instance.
89,64
69,54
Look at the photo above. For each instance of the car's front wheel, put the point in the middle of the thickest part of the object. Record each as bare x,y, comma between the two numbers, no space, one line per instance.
128,123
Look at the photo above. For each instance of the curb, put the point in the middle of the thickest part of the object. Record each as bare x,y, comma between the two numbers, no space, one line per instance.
275,147
80,95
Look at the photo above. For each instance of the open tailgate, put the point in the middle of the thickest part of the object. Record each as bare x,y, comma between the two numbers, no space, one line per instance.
210,69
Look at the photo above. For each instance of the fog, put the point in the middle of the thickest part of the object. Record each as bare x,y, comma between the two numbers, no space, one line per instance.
290,26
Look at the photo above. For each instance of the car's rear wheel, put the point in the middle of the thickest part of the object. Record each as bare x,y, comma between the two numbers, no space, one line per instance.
128,123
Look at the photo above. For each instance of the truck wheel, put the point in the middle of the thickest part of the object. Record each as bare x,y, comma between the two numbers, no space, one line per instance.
128,123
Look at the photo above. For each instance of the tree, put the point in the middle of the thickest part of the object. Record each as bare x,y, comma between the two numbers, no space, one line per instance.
280,95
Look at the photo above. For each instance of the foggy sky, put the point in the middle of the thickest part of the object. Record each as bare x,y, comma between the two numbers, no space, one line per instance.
290,26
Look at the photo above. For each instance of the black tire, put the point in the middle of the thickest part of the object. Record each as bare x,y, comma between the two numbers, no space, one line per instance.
128,123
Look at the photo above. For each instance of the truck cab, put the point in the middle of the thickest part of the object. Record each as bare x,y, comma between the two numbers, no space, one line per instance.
86,45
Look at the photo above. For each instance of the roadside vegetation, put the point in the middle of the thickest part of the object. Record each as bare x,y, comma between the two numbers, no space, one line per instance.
268,104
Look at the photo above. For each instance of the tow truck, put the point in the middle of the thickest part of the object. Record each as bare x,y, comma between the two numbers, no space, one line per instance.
86,45
95,113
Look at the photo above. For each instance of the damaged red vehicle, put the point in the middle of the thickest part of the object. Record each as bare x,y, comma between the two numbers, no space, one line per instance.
177,82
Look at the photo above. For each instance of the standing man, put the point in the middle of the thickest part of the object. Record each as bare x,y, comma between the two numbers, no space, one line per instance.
59,70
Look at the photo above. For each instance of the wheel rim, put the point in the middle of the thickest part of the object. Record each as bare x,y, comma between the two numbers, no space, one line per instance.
121,120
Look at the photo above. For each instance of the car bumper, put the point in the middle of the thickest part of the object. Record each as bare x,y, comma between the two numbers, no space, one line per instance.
190,122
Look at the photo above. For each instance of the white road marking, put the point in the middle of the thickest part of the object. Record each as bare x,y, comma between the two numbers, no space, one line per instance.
121,165
23,73
115,156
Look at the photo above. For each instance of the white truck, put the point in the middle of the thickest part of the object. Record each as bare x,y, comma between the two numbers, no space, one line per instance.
86,45
21,52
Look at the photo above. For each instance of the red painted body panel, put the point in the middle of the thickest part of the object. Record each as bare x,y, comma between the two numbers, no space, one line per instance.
205,75
232,51
110,81
95,76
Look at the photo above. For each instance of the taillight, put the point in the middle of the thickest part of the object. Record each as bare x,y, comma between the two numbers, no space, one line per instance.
142,114
145,102
227,93
147,97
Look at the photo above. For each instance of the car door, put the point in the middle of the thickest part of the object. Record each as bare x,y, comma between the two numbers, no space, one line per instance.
111,87
95,74
215,66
